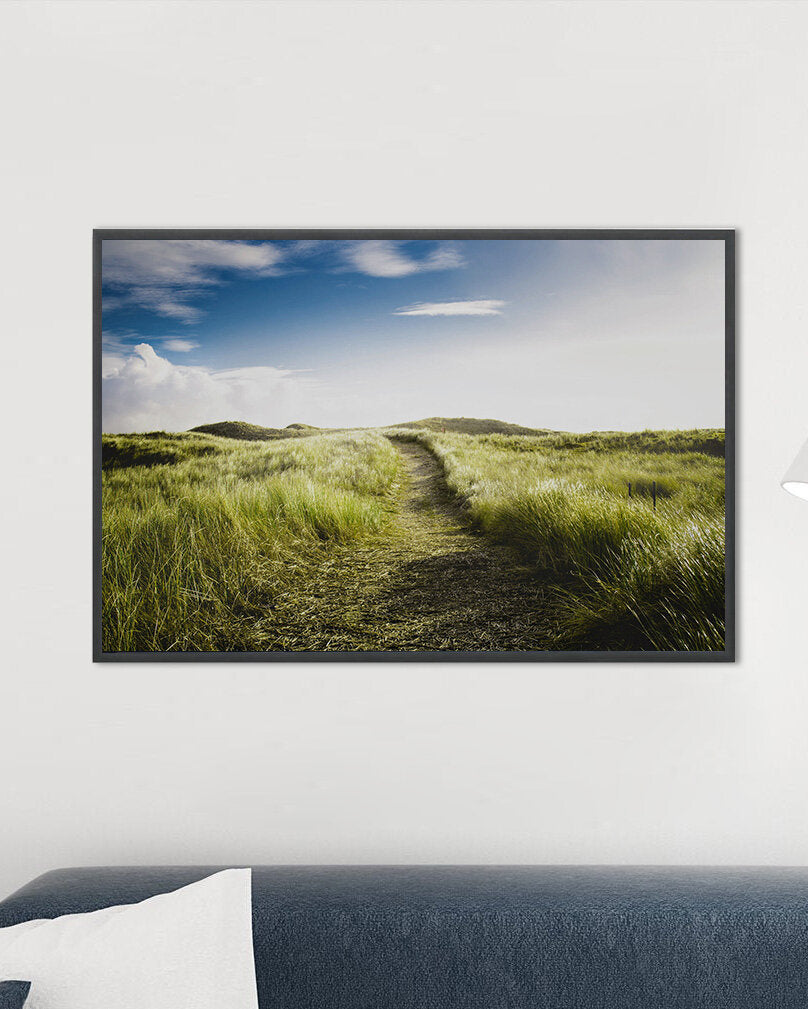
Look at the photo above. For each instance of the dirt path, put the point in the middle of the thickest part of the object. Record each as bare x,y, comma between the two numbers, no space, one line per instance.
430,584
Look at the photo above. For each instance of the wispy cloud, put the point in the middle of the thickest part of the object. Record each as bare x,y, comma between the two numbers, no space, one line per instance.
184,263
390,259
172,278
179,346
122,341
171,303
488,306
165,276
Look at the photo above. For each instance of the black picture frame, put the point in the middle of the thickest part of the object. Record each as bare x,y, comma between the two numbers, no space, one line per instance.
727,236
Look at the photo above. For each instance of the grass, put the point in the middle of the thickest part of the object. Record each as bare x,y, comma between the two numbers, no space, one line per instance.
468,425
629,577
202,537
484,538
154,449
242,431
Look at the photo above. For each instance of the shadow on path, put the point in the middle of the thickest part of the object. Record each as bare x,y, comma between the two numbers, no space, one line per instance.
432,584
458,590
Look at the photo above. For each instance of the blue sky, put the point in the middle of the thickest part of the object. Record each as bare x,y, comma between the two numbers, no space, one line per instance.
575,335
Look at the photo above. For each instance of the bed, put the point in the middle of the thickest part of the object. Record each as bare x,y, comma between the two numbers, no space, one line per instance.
495,937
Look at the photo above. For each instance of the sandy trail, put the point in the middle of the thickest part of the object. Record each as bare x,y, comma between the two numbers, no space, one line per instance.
430,584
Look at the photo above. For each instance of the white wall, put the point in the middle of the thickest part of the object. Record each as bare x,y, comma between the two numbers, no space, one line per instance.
375,114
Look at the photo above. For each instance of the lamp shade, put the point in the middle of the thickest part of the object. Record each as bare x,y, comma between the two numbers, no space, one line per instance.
796,479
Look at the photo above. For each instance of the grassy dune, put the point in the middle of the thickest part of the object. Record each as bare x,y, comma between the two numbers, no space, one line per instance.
203,536
211,542
242,431
630,577
468,425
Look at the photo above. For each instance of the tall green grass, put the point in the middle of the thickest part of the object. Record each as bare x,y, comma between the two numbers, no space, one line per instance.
202,536
630,577
207,538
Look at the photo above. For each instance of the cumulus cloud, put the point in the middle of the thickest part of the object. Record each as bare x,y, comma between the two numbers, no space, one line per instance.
111,362
165,275
388,258
142,391
485,307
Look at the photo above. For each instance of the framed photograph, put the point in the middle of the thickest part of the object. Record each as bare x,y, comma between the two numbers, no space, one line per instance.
414,445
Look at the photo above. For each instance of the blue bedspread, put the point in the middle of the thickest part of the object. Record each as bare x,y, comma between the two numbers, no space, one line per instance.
516,937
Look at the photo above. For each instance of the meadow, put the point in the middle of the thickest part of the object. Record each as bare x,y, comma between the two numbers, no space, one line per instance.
629,526
203,536
210,541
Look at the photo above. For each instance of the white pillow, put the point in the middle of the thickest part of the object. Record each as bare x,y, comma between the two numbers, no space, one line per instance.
191,949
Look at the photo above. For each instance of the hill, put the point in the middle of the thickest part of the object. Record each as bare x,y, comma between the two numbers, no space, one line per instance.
470,425
243,431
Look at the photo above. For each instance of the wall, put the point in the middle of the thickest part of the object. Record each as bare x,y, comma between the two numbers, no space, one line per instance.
372,115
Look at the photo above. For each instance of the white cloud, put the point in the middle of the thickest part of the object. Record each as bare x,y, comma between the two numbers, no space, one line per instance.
485,307
308,247
387,258
613,349
179,346
170,277
169,302
111,362
142,391
183,263
164,275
